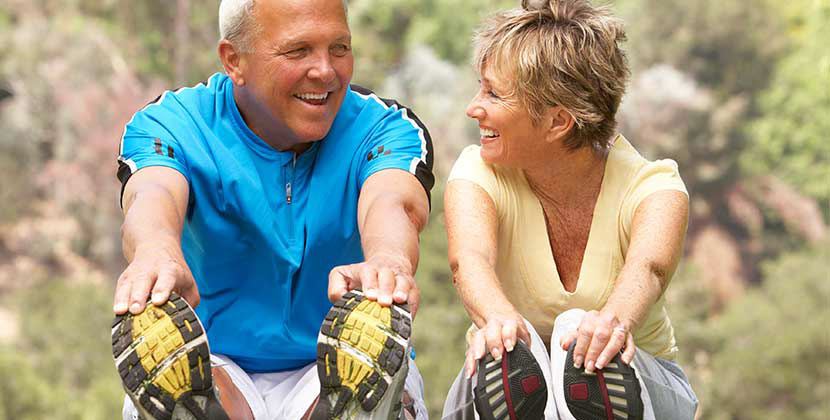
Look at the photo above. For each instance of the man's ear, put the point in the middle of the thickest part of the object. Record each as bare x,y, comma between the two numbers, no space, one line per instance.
232,62
559,123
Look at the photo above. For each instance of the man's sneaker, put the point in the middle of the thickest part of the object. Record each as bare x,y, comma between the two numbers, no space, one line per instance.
610,393
512,388
361,359
163,359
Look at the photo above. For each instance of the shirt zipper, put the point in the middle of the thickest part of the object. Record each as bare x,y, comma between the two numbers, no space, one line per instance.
288,197
288,181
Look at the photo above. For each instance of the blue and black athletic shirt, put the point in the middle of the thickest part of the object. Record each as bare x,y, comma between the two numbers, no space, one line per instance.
264,228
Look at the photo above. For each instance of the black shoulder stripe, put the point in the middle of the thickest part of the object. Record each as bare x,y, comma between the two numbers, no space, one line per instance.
423,171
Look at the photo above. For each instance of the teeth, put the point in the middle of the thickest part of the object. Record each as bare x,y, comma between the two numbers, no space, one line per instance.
313,96
488,133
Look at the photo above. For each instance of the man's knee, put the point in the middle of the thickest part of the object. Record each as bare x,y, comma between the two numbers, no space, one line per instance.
231,398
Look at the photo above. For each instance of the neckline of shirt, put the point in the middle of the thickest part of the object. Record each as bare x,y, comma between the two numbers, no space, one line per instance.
254,142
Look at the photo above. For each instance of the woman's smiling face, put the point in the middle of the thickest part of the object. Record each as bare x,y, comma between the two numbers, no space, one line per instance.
508,135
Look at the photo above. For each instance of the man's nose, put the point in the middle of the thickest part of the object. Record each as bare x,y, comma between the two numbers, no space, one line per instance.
322,69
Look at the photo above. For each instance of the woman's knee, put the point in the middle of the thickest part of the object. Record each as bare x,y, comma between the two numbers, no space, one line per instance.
569,320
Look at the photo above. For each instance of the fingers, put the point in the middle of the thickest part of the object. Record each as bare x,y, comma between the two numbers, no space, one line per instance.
339,279
403,285
599,338
380,282
492,333
368,280
615,343
414,299
189,292
476,351
509,333
567,339
386,285
122,294
161,289
584,334
630,349
140,290
522,333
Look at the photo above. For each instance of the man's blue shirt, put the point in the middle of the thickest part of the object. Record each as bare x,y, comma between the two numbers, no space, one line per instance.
264,227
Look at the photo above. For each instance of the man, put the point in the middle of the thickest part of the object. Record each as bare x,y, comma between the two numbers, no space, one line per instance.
261,196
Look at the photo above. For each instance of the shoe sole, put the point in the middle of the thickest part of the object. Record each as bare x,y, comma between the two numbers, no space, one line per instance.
510,388
163,359
610,393
360,348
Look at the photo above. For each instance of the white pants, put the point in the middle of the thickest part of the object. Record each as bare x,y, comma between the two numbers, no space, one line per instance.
287,395
665,390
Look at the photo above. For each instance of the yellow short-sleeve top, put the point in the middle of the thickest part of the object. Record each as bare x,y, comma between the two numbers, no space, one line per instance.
525,266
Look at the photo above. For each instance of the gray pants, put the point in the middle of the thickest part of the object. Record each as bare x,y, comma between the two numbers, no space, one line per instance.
666,392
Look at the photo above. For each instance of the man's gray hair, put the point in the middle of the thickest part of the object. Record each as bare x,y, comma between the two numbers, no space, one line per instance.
237,23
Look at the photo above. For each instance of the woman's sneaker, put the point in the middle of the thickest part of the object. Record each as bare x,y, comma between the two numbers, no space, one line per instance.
610,393
163,359
512,388
362,359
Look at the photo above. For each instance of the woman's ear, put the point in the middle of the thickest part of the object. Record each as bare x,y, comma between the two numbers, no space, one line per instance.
559,123
232,61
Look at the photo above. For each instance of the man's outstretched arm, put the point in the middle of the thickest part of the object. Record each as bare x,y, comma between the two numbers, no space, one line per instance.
392,210
154,205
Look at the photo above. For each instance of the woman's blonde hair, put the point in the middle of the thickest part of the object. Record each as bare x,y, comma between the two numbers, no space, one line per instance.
560,52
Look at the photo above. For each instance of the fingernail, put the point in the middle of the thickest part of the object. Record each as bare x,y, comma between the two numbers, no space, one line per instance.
508,345
496,353
601,362
371,293
158,298
119,307
135,307
577,362
589,366
401,296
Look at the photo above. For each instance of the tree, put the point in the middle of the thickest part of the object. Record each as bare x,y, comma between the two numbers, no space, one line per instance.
766,355
790,136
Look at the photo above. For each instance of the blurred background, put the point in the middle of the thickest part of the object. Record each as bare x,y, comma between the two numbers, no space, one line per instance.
737,92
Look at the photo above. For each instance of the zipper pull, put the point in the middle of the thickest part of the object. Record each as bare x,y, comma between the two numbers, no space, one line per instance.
288,192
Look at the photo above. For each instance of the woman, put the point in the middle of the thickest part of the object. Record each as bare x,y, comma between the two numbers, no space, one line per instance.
560,234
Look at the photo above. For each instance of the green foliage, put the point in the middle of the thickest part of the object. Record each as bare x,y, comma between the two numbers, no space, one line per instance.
766,355
790,137
384,30
441,322
709,39
61,366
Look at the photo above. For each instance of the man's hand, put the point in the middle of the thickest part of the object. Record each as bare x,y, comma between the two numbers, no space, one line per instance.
384,278
155,201
161,269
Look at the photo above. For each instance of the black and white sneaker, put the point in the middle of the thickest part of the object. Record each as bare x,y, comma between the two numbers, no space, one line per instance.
512,388
163,359
610,393
362,359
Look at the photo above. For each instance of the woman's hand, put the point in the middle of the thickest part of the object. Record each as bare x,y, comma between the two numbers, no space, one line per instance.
498,336
599,337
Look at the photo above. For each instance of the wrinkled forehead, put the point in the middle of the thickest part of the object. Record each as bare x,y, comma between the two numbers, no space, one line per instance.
496,63
301,20
270,12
